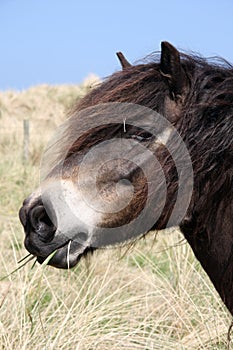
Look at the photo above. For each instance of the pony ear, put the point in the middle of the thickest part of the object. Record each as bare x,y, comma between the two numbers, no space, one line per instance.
123,61
171,69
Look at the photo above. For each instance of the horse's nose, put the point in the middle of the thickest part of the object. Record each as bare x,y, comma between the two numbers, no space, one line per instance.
39,221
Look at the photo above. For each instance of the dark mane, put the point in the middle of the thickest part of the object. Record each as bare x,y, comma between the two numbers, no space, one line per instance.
209,99
144,86
207,108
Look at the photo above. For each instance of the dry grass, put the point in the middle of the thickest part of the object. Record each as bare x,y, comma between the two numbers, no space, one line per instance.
154,297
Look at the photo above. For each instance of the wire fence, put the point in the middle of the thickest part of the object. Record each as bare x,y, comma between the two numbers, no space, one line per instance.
26,140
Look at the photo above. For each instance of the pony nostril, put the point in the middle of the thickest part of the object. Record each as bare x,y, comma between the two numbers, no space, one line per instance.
41,223
35,215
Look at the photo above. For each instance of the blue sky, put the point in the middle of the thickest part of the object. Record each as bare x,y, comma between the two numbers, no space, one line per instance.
62,41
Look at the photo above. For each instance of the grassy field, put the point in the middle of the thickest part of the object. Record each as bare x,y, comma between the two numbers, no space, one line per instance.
154,296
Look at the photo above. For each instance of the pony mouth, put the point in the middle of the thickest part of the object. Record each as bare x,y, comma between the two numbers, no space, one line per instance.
64,256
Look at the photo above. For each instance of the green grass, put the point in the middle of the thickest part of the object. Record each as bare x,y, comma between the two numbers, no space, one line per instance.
154,296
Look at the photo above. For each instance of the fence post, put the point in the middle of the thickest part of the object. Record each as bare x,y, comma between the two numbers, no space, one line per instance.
25,141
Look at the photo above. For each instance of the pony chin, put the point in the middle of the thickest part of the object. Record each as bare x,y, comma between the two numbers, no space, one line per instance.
66,257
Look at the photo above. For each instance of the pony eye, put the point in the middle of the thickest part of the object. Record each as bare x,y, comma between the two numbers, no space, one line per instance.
144,136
